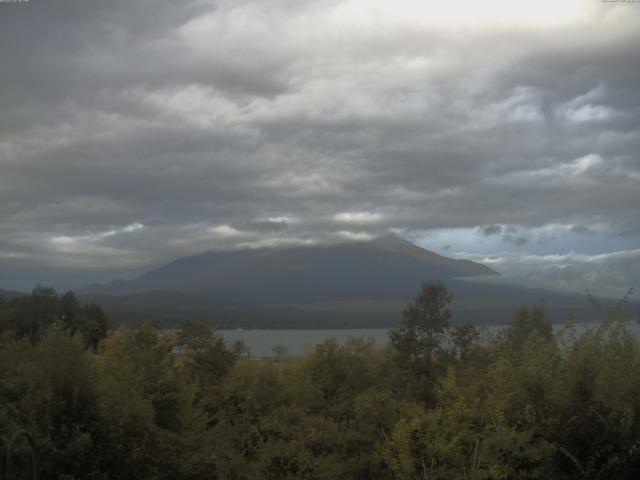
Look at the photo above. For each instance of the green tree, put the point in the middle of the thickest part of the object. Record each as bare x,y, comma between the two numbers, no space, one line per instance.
528,322
208,358
464,338
33,315
419,342
279,351
48,388
327,379
147,406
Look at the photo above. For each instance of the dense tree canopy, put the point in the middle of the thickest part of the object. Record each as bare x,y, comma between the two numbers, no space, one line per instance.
31,316
437,402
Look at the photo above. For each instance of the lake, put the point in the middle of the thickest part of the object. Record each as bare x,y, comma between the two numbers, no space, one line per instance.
261,342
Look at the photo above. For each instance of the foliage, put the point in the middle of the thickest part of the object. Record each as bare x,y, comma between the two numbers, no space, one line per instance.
419,342
527,323
33,315
437,403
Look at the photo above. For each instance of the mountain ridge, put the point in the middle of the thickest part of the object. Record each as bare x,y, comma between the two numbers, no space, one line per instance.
363,284
9,294
386,267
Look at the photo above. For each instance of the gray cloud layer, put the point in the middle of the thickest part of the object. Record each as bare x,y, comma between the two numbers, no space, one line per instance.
132,133
607,274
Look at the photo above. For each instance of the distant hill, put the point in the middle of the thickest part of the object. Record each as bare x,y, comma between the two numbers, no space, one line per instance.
357,284
351,285
472,302
385,268
9,294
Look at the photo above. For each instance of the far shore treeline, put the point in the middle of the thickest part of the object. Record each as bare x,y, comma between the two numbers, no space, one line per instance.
135,402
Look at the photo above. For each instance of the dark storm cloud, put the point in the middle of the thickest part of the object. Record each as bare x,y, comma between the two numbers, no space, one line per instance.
132,133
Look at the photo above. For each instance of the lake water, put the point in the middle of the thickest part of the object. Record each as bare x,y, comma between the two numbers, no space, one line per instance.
261,342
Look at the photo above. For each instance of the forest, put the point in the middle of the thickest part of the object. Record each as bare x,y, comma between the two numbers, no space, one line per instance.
440,401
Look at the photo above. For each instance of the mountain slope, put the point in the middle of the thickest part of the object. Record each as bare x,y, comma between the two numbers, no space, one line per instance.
358,284
472,302
385,268
9,294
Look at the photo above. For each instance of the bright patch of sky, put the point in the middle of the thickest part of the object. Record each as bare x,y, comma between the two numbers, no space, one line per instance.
550,239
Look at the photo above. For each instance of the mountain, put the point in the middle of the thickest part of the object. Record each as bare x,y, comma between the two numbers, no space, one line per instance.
383,269
9,294
354,285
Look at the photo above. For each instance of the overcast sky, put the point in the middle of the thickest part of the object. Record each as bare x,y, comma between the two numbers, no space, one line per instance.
132,133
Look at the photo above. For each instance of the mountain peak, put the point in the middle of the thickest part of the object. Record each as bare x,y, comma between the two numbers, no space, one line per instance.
390,238
395,243
386,267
